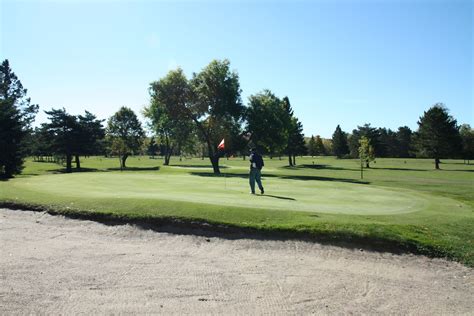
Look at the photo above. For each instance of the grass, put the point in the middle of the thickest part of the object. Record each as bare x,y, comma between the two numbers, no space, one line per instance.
401,204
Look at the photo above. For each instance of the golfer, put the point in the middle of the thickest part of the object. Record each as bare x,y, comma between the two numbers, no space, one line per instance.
256,165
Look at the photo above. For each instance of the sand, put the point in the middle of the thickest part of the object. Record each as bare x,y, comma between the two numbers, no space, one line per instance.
54,265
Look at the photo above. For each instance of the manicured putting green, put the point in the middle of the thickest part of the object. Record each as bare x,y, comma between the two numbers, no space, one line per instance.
281,194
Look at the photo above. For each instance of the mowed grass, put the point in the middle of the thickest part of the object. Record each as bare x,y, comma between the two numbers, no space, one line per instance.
400,202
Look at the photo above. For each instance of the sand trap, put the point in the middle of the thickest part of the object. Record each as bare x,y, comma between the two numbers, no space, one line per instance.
53,265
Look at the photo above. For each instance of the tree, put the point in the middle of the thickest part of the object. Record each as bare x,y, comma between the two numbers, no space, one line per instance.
388,143
372,134
404,141
90,136
72,136
467,135
152,148
320,150
169,97
438,134
215,107
366,151
16,116
267,123
312,150
63,132
339,143
294,129
125,134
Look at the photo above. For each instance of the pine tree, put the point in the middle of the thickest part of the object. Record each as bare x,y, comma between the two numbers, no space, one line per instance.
320,150
312,147
438,134
16,116
339,143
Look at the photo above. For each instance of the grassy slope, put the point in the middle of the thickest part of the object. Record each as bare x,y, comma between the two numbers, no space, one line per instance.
443,228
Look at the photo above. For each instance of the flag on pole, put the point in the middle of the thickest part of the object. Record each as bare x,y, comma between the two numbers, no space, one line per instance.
221,145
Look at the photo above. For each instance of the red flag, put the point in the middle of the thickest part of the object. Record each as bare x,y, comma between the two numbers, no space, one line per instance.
221,145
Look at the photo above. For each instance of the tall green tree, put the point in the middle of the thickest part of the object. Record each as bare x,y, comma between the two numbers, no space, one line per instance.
16,115
216,107
267,122
467,136
125,134
404,141
438,134
339,143
90,136
63,132
372,134
320,150
294,128
312,150
170,96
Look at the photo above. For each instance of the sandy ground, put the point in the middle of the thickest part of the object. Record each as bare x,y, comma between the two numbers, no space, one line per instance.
53,265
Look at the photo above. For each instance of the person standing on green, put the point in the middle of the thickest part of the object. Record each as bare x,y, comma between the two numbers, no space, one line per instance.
256,165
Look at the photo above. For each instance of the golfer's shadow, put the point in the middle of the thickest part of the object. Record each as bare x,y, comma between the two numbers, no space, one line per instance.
277,197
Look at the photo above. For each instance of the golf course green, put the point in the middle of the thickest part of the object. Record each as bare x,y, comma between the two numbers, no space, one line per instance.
399,203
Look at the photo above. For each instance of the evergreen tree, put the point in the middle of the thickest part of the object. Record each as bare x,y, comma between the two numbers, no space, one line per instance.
438,134
404,141
312,151
320,150
296,144
16,116
339,143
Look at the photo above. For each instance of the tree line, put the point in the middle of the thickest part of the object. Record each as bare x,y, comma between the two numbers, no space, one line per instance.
191,116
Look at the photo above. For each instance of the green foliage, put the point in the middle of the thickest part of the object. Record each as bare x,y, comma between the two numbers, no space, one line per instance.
371,133
267,122
68,135
438,134
216,106
467,135
125,134
312,150
366,151
167,112
340,146
152,148
16,116
320,149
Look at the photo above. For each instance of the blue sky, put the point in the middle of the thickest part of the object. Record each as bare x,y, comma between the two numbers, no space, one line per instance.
339,62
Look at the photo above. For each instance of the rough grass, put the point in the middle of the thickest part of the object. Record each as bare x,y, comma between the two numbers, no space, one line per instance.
401,203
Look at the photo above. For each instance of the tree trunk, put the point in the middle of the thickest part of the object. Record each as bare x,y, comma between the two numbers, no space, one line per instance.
290,162
122,161
367,164
68,163
215,163
437,163
167,159
78,163
294,160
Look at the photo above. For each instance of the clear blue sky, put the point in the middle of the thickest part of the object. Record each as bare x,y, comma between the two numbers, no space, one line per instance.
339,62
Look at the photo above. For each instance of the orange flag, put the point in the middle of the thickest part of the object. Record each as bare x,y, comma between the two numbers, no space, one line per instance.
221,145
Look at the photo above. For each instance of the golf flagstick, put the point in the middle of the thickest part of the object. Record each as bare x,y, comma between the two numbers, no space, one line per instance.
222,147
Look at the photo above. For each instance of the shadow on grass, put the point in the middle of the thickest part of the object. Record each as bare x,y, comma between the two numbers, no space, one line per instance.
277,197
399,169
135,169
288,177
318,167
196,166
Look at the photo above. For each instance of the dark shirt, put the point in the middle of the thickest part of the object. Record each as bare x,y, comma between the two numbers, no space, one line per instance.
257,159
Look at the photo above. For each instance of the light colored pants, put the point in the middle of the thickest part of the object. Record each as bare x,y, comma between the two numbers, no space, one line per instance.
255,175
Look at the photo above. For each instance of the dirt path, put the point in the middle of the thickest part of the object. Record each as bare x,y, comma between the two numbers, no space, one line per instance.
49,264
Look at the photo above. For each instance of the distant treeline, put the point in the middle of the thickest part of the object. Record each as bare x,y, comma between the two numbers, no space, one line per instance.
189,117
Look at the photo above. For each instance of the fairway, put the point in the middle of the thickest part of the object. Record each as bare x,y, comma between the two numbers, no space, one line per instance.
282,194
